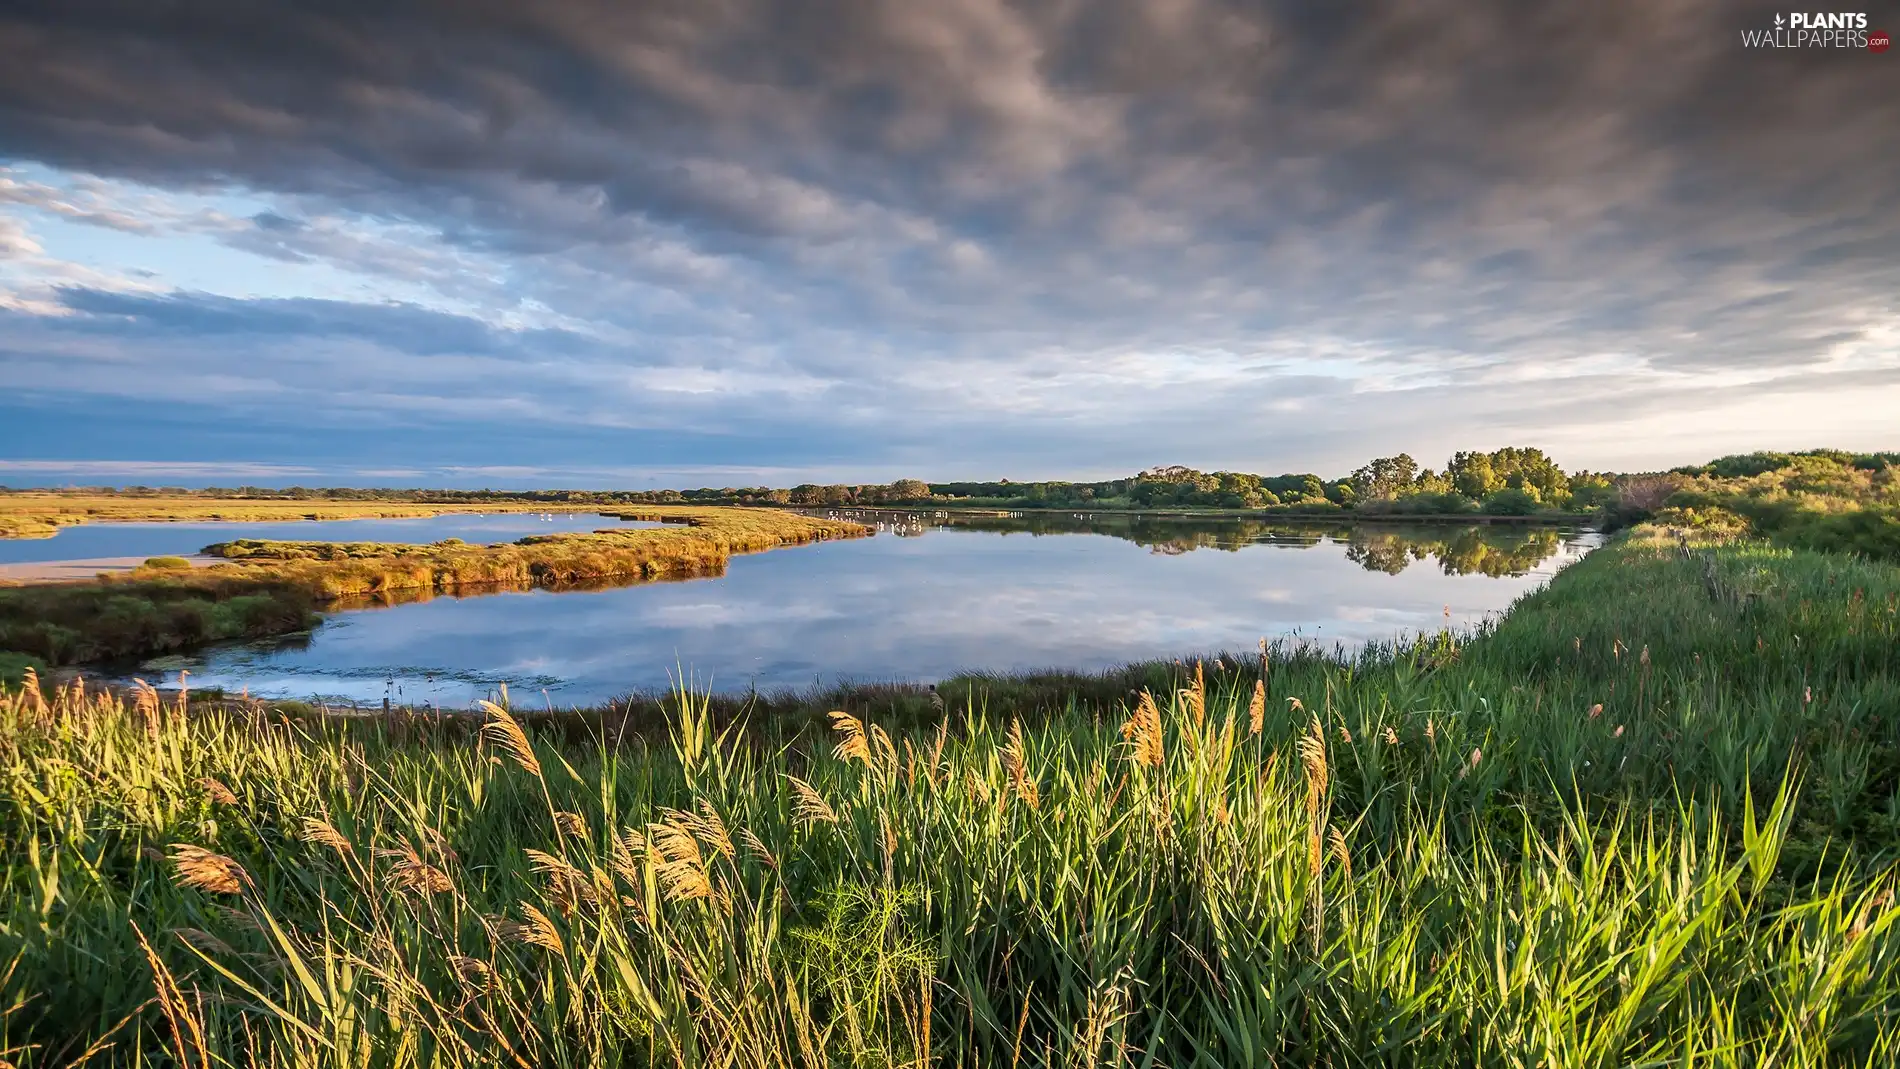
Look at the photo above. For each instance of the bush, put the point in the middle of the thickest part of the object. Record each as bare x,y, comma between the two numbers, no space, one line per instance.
1422,504
1511,502
1871,532
1712,520
167,564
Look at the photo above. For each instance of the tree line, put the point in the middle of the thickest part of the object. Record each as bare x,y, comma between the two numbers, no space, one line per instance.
1514,480
1506,481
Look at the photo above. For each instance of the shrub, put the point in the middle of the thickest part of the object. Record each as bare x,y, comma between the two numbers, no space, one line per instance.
1712,520
1511,502
167,564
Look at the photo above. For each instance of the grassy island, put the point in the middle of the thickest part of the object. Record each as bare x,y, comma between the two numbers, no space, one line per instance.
42,514
269,588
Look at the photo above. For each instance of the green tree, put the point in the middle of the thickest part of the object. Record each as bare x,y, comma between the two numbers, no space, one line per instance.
1529,469
1471,475
1384,478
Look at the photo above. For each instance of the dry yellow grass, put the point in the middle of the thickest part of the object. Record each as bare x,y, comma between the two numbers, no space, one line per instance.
697,540
33,515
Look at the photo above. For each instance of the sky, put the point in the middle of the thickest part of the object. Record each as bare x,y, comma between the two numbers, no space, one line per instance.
735,242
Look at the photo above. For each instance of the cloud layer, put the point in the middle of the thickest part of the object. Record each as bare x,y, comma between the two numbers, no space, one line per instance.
958,238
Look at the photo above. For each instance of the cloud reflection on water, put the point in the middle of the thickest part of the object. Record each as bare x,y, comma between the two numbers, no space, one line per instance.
959,598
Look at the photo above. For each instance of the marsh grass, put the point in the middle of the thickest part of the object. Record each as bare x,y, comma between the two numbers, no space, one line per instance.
273,588
699,540
1527,845
41,515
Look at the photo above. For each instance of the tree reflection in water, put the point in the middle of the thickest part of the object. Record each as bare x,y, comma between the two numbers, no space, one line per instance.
1458,550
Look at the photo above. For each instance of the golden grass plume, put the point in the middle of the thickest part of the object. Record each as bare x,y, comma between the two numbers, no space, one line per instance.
1019,779
505,732
323,833
412,874
678,861
217,791
852,742
1144,735
208,871
808,806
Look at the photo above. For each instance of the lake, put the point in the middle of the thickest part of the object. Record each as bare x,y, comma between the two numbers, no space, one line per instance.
79,551
927,597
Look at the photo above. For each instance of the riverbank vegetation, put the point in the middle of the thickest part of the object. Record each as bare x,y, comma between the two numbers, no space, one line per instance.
42,514
1825,499
1506,482
1651,816
147,612
1777,491
270,588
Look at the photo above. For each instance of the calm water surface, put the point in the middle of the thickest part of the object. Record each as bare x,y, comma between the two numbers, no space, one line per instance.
922,600
95,541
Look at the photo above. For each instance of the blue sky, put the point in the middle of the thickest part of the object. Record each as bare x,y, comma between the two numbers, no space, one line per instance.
681,244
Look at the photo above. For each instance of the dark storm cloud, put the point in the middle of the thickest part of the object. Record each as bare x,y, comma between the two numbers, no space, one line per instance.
1062,208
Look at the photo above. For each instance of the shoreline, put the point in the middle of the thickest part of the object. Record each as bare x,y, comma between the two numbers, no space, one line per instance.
84,570
1347,516
20,519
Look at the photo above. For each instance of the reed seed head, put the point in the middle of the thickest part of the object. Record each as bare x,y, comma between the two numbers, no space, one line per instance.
1313,756
567,884
1019,779
710,829
505,732
207,871
629,847
1471,763
204,941
217,791
412,874
808,806
678,861
322,833
852,743
757,849
1144,735
473,973
539,930
884,750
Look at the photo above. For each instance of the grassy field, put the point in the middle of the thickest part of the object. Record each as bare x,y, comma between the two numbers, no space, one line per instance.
271,588
41,515
1651,817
